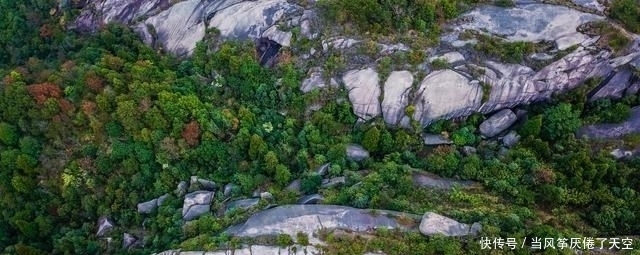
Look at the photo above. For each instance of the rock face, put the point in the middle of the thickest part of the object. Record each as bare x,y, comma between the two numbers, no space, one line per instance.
196,204
104,226
443,93
432,181
433,223
323,169
252,250
356,152
151,205
396,96
291,219
632,125
178,26
614,86
128,241
364,92
532,22
315,81
497,123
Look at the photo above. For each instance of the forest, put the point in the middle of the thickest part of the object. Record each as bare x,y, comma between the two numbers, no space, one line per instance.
91,125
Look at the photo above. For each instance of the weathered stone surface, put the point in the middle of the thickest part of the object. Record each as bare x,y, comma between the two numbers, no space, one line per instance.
323,169
148,207
432,181
364,92
433,223
510,139
338,43
497,123
328,183
310,199
591,4
182,188
229,189
356,152
97,13
614,87
396,96
316,81
196,204
128,241
444,94
249,19
282,38
243,204
266,195
434,139
531,23
201,184
104,226
291,219
253,250
632,125
633,89
469,150
449,57
294,186
635,64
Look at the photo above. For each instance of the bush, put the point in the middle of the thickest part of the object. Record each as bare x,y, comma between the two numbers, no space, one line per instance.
310,184
560,121
627,12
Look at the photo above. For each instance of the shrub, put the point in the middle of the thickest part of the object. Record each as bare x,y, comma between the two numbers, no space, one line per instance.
627,12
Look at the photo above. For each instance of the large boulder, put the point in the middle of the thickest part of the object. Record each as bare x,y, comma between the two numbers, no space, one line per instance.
396,96
201,184
531,23
433,223
364,92
196,204
356,152
151,205
614,87
309,219
497,123
104,226
445,94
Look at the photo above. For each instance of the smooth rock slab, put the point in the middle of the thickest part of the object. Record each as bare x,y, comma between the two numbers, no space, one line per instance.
396,96
196,204
291,219
433,223
497,123
445,93
364,92
356,152
607,131
531,23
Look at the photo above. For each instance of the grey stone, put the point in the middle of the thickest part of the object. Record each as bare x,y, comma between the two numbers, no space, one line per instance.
329,183
356,152
511,139
338,43
148,207
266,196
254,250
196,204
99,12
280,37
202,184
316,81
449,57
364,92
309,219
591,4
444,94
609,131
615,87
531,23
541,56
433,223
229,189
323,169
294,186
633,89
620,154
497,123
181,189
475,229
432,181
128,241
469,150
244,204
434,139
104,226
162,198
635,64
396,96
310,199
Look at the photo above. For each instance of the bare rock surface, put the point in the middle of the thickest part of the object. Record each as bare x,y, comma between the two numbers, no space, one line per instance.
104,226
356,152
291,219
196,204
608,131
433,223
364,92
396,96
497,123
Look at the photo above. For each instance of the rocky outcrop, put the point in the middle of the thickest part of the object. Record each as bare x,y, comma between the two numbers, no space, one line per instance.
104,226
329,183
129,241
252,250
310,199
614,87
196,204
151,205
356,152
433,139
432,181
309,219
433,223
229,189
323,169
497,123
196,183
510,139
244,204
316,81
607,131
364,92
444,94
531,23
396,96
449,57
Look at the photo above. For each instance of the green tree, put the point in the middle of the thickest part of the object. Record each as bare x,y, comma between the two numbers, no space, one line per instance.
559,121
8,134
371,139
